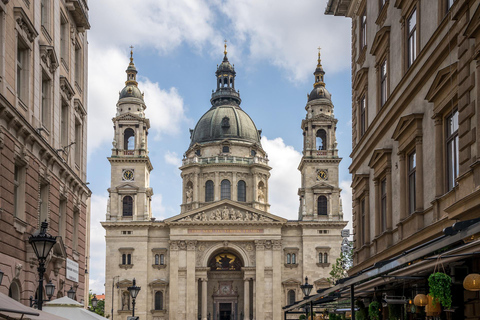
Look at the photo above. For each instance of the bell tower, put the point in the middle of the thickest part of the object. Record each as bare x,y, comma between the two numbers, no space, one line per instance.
130,193
319,193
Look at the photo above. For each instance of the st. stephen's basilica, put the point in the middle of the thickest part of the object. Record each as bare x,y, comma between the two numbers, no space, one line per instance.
225,255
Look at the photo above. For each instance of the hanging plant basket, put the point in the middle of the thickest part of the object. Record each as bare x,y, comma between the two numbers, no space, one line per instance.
440,289
374,310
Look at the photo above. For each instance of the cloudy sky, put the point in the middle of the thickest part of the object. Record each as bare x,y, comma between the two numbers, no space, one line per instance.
177,45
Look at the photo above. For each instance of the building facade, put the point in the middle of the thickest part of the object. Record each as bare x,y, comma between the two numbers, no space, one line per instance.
43,123
415,135
224,256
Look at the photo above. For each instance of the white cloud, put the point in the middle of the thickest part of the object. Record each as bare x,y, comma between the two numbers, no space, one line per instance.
285,178
163,25
173,158
347,202
98,209
106,78
287,35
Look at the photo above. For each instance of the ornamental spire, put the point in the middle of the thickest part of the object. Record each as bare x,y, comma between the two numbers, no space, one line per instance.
131,70
225,51
319,73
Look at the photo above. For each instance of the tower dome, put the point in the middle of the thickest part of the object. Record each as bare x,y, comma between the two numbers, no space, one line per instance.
225,119
319,91
131,85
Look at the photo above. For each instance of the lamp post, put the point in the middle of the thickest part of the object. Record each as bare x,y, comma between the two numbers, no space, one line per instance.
94,302
42,243
49,290
306,289
134,290
71,293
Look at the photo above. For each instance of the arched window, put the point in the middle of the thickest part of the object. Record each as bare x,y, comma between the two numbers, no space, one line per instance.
129,258
242,191
225,82
14,291
289,258
159,300
320,257
129,139
225,189
127,206
157,259
124,258
291,297
294,258
162,259
322,205
209,191
325,258
321,140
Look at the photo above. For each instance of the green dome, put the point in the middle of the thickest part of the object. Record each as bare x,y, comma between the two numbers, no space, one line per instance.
131,91
225,122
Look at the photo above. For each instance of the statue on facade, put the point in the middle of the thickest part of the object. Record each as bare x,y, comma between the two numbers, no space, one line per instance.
189,194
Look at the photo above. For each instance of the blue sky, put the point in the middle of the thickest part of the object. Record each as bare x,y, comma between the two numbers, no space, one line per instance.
177,45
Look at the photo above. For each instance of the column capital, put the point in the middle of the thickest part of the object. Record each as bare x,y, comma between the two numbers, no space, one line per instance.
260,244
277,244
191,245
174,245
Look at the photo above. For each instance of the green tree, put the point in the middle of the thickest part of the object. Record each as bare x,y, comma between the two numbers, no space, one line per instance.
100,309
342,264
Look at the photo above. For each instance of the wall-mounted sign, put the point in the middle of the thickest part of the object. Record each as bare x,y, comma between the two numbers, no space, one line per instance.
345,233
72,270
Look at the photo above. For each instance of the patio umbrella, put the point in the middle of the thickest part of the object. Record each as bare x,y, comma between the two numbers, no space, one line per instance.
12,309
70,309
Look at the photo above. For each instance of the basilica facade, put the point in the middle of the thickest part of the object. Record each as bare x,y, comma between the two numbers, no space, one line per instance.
225,255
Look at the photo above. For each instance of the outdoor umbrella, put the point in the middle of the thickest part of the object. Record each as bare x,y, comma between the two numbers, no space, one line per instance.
12,309
70,309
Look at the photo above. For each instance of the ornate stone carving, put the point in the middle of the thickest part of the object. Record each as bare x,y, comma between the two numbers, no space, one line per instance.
174,245
260,244
226,214
189,193
66,88
191,245
25,24
277,244
49,58
268,244
182,245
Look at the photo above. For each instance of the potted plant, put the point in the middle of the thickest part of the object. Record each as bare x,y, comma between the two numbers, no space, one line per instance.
440,289
362,312
374,310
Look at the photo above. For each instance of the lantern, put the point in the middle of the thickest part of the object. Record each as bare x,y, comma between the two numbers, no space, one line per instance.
472,282
432,310
420,300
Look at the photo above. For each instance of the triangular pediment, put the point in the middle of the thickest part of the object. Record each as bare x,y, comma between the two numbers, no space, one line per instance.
124,283
127,187
291,282
443,82
358,178
226,211
473,27
128,116
322,282
380,40
323,185
158,283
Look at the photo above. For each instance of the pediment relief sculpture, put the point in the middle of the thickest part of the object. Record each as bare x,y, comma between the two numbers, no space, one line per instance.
225,214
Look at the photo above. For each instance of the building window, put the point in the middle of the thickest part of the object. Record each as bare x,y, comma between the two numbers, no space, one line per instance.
242,191
157,259
19,192
412,180
14,291
362,222
321,139
294,258
363,29
162,259
127,258
44,190
289,258
78,65
452,149
64,125
225,149
383,83
325,257
320,257
383,208
363,119
127,206
129,139
291,297
225,189
382,3
78,143
209,191
46,101
22,70
448,4
76,221
253,153
62,216
159,300
322,205
64,41
412,37
45,14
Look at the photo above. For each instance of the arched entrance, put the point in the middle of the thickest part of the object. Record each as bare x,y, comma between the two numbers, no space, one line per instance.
225,293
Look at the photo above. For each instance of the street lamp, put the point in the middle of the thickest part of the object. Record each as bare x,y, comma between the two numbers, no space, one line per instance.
94,302
49,290
71,293
306,289
134,290
42,243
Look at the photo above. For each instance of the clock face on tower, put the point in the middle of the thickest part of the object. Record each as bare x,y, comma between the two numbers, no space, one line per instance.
128,175
322,174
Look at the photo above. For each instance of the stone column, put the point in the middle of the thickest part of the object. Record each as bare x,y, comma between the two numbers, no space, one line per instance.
204,299
254,294
173,285
216,187
389,199
367,217
419,178
439,157
246,298
191,282
234,187
277,279
403,187
196,188
260,279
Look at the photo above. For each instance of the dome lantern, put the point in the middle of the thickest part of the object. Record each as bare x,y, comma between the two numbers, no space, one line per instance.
319,91
131,85
225,93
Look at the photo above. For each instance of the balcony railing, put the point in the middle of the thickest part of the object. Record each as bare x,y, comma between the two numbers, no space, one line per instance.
225,159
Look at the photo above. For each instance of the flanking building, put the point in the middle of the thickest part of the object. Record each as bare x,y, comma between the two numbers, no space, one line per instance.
225,255
43,143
